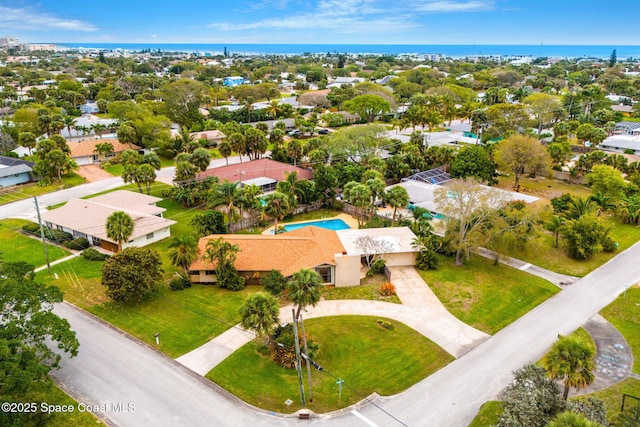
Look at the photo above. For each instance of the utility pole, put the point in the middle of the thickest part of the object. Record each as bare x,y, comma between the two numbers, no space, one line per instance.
308,361
44,244
298,365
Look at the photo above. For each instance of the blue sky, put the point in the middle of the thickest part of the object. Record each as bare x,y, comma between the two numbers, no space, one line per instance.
600,22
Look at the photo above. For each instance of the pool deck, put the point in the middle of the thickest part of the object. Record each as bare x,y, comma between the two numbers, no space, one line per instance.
348,219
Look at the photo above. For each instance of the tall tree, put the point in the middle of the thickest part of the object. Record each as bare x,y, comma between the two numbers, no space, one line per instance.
518,153
226,195
572,361
303,289
260,313
470,207
132,274
474,161
276,207
222,255
367,106
119,227
396,197
30,331
183,251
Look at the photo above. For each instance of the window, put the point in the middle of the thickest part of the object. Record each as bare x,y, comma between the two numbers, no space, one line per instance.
150,236
325,273
210,272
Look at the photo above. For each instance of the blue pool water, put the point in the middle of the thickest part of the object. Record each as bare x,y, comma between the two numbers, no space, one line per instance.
331,224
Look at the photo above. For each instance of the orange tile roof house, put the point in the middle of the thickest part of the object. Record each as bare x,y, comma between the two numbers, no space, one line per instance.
331,253
265,173
88,218
84,152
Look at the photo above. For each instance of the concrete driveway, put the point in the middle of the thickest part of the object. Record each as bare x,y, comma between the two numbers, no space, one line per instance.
93,173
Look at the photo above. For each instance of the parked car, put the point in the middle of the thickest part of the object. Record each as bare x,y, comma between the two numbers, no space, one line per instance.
323,131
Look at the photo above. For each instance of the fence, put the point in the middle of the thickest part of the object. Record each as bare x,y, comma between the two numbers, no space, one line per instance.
253,220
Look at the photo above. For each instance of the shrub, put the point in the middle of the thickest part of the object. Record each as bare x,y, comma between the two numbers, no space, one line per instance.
274,282
92,254
608,244
385,324
387,290
179,283
283,349
427,260
77,244
377,267
57,236
31,228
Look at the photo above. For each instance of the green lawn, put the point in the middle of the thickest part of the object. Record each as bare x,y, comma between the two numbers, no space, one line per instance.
25,191
488,415
612,396
544,188
185,319
368,290
543,254
486,296
624,314
355,348
16,246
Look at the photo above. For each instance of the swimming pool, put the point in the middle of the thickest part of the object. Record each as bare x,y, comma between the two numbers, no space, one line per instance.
330,224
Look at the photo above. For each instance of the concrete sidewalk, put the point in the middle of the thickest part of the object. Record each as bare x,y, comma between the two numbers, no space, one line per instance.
58,261
553,277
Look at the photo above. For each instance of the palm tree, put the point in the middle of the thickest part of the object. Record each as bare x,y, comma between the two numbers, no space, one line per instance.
580,206
184,250
127,134
260,313
225,150
572,361
603,201
303,289
555,225
238,143
103,149
276,207
69,122
119,227
27,140
396,197
274,108
291,188
227,195
629,209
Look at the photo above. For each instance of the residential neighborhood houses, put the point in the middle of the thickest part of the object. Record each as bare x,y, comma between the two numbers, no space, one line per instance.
361,194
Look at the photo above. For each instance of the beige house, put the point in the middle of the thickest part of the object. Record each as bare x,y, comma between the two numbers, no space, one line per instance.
336,255
88,218
84,152
213,137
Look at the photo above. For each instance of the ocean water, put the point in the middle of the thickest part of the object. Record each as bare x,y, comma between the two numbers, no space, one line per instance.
455,51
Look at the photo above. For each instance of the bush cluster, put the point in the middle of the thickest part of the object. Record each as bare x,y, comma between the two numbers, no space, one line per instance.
77,244
179,283
92,254
385,324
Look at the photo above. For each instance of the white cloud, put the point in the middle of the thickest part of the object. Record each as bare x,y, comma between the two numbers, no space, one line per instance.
154,36
28,19
339,16
451,6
